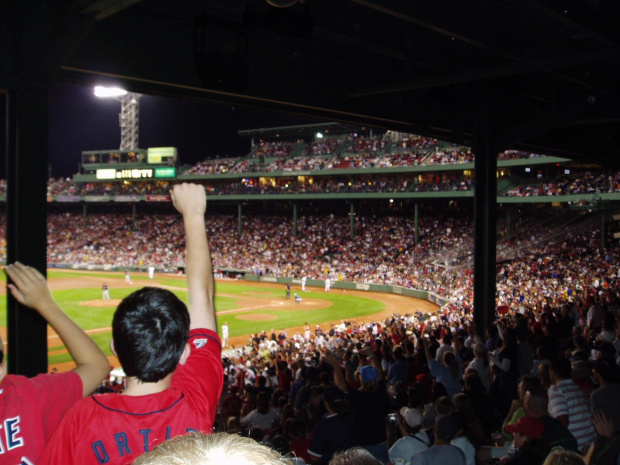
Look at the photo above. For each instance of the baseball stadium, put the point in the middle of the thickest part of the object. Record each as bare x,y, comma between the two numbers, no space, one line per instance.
333,233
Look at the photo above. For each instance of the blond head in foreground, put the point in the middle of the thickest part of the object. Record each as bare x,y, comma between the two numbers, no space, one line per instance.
559,456
213,449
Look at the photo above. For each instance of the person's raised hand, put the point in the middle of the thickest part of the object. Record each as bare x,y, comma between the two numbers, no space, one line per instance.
189,198
29,287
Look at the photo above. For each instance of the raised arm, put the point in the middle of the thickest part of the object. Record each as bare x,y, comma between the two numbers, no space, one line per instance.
191,201
339,380
29,288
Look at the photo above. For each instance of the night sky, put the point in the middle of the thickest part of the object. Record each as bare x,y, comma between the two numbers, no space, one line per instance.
80,121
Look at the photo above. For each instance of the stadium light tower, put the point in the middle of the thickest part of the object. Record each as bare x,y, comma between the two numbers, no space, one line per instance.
130,114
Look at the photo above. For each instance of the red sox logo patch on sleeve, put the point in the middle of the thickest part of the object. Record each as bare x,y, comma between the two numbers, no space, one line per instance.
200,343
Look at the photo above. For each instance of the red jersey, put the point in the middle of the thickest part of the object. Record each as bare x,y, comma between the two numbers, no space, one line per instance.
30,410
115,429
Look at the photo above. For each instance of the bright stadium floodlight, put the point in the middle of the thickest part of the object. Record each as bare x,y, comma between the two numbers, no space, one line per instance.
129,117
107,92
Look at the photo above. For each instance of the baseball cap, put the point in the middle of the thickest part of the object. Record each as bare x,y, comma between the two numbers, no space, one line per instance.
368,373
528,426
607,336
606,347
412,417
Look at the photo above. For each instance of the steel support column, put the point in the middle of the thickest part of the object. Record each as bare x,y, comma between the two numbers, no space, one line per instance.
239,219
485,202
352,218
416,222
26,228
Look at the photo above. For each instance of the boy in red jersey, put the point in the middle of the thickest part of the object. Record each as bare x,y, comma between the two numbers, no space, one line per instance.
173,385
31,408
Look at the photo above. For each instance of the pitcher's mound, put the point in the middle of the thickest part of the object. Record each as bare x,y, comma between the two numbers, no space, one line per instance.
101,303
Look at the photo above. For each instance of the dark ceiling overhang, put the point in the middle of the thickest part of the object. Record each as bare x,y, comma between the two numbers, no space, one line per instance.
549,68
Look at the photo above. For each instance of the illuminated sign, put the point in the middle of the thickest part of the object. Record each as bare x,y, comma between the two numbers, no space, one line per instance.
106,174
166,172
146,173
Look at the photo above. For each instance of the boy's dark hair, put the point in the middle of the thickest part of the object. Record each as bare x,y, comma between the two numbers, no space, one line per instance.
150,329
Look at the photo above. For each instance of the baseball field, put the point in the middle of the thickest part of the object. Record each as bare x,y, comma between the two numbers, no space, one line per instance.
247,307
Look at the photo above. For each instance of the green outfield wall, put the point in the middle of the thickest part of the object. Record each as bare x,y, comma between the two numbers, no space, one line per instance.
386,288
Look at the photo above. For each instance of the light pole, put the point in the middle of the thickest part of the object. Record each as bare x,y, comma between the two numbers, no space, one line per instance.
129,116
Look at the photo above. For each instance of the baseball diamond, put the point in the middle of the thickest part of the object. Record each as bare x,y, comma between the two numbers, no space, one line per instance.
247,307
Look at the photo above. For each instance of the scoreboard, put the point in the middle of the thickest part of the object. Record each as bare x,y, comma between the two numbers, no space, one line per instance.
138,164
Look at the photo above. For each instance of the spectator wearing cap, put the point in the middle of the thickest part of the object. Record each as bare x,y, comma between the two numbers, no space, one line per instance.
569,404
335,432
480,363
607,334
369,406
604,350
605,398
536,405
446,429
526,383
413,441
531,448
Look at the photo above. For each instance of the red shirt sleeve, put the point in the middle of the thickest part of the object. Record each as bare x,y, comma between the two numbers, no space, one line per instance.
201,378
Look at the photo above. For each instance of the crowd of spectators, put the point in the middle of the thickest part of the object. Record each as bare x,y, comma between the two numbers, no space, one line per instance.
223,165
545,374
271,149
357,160
362,144
581,184
545,261
577,185
415,142
538,386
449,155
324,146
306,163
321,185
516,155
391,160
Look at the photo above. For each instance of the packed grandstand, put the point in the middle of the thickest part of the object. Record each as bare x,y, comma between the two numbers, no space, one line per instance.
382,245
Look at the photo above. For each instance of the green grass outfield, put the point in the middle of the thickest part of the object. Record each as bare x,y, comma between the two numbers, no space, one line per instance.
286,316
